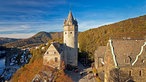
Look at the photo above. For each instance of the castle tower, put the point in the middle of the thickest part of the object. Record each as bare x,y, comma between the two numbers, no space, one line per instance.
71,40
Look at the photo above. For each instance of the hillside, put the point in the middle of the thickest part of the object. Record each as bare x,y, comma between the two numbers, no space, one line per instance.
39,38
89,40
7,40
134,28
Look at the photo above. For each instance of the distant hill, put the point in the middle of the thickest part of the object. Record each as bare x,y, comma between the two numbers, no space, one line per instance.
37,39
7,40
133,28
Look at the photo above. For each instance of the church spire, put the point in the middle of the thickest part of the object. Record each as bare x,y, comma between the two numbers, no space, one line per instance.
70,20
70,17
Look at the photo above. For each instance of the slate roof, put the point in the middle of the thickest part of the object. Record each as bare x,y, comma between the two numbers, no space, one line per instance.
58,46
126,50
70,19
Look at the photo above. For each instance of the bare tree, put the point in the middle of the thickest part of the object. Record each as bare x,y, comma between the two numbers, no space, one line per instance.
117,75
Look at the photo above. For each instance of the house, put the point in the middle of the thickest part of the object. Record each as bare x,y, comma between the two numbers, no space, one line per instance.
53,55
124,60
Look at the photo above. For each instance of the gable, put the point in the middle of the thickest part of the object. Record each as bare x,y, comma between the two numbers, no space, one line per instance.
51,51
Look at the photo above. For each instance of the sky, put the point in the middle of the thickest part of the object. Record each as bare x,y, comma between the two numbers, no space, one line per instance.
24,18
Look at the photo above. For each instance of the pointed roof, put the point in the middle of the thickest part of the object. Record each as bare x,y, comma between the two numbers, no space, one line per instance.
70,16
70,20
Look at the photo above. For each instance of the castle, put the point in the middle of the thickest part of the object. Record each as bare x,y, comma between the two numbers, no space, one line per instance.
68,51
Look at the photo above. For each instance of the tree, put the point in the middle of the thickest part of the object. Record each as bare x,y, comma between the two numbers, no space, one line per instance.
117,75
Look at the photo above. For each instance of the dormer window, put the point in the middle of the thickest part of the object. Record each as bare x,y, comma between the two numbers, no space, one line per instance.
128,60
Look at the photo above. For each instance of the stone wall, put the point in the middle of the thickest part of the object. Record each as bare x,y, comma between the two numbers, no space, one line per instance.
137,74
123,72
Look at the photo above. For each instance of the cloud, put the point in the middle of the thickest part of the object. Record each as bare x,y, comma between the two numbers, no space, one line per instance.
18,35
27,29
30,27
15,28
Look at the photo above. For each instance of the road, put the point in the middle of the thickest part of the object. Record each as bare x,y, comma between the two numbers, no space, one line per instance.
85,77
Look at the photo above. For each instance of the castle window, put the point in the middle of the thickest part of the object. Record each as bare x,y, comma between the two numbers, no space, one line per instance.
70,32
65,32
142,61
51,52
56,59
129,73
140,73
47,52
54,52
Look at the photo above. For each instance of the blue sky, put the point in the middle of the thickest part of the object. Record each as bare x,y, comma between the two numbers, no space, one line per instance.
24,18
